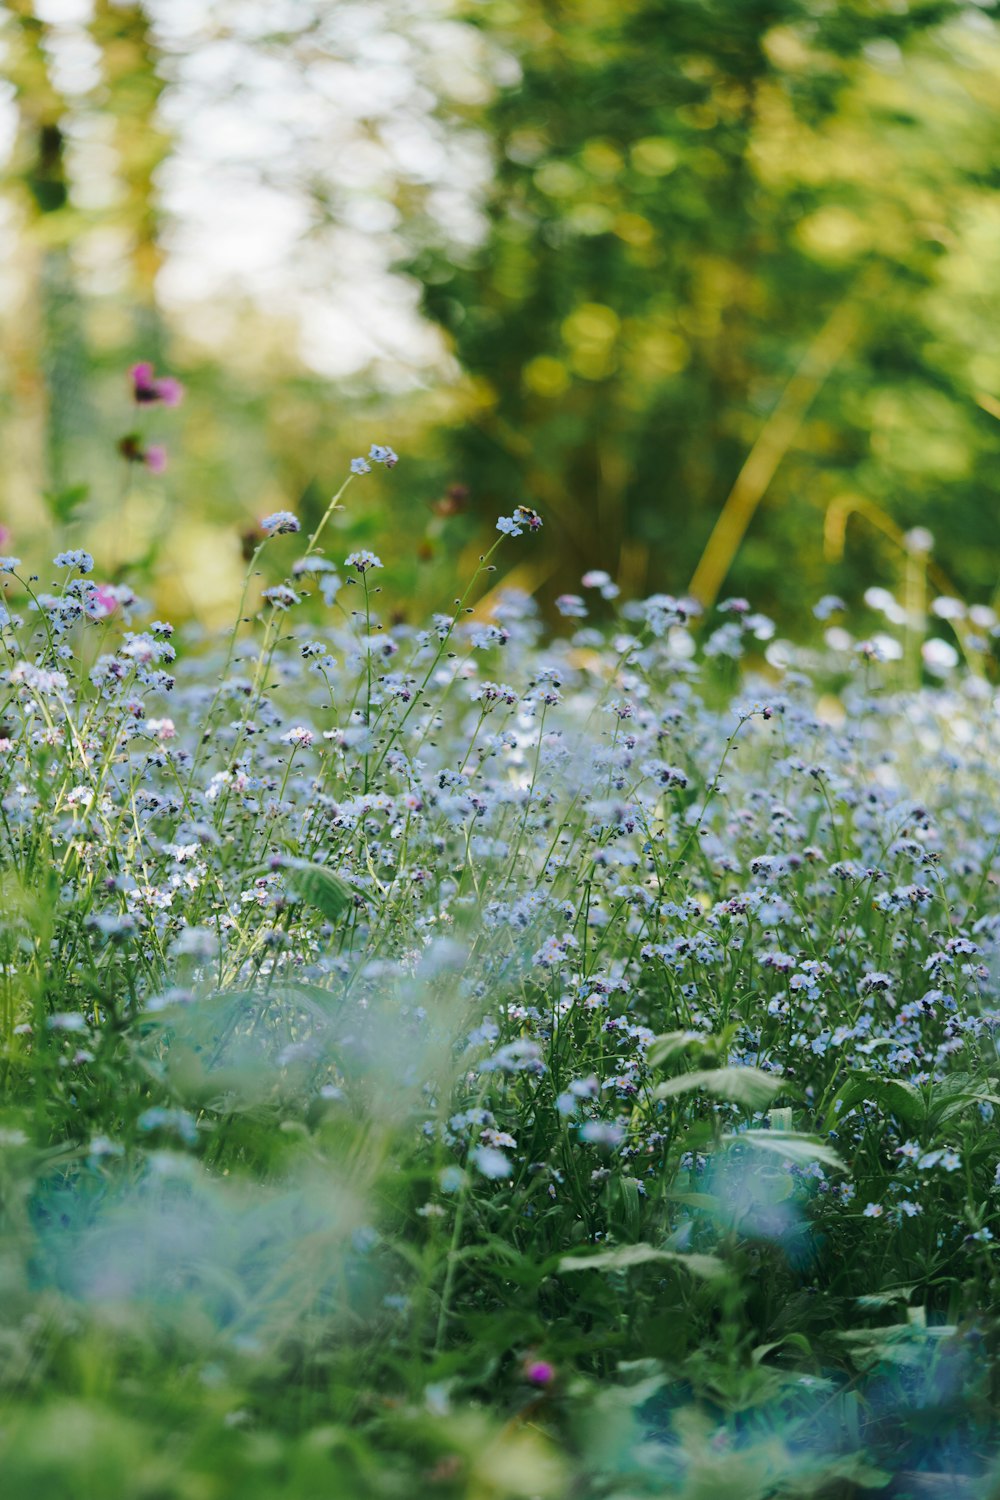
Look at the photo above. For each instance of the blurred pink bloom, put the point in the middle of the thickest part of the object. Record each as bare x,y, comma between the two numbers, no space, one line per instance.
171,390
143,384
101,602
540,1372
155,458
148,388
5,535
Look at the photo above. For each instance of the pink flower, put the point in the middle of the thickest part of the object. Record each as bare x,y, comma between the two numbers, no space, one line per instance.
539,1372
148,388
143,383
101,601
171,390
5,536
154,457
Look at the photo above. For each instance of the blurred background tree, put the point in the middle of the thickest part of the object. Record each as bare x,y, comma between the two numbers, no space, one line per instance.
684,274
716,224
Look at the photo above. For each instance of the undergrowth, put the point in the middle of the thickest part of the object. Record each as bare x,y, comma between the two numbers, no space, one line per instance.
477,1061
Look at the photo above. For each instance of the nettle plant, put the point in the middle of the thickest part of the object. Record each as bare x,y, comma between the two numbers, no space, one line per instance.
564,1012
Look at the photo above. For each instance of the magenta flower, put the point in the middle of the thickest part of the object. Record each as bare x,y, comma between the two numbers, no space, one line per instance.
143,384
148,388
539,1372
155,458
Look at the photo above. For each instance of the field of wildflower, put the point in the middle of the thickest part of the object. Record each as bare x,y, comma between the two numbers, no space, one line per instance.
473,1060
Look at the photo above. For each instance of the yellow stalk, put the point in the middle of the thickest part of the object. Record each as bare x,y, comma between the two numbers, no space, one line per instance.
773,442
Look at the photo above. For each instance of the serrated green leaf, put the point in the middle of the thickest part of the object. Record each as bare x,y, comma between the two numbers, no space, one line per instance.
747,1086
789,1145
623,1257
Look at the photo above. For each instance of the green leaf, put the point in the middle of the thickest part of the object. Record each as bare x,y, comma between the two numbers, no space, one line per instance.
317,886
790,1146
673,1043
625,1256
747,1086
950,1108
886,1298
322,1004
892,1344
893,1096
628,1189
797,1341
703,1201
63,503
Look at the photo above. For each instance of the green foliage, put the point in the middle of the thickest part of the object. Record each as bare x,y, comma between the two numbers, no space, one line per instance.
388,1091
684,193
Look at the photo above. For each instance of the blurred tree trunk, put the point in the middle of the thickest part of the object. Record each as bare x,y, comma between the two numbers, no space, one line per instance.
37,176
130,96
49,421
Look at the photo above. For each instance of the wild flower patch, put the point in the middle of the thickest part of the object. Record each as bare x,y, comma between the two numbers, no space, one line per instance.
465,1058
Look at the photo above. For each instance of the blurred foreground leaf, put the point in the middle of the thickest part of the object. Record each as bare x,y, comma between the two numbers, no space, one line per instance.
747,1086
789,1145
626,1256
